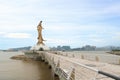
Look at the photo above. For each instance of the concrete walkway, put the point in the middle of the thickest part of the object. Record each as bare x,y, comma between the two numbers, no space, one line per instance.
83,73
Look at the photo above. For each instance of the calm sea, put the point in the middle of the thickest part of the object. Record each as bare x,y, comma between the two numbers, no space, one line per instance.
22,70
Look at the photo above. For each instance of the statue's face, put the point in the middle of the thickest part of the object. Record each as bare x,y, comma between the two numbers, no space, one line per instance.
40,21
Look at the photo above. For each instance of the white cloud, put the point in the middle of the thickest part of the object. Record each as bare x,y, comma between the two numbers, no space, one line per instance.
117,33
17,35
18,28
97,40
2,33
59,41
73,28
113,9
116,36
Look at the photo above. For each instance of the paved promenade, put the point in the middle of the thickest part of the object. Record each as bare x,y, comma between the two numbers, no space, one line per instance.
67,64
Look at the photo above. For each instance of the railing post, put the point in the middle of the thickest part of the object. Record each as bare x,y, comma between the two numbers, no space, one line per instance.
52,63
96,58
71,75
46,58
73,55
82,56
66,54
53,59
58,63
119,61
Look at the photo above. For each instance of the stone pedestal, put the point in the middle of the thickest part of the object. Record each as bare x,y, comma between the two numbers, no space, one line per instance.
40,47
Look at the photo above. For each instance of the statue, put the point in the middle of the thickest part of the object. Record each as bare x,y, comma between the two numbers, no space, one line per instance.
40,46
40,39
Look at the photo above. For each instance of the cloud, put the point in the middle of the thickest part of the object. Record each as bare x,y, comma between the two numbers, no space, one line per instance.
17,35
116,36
117,33
73,28
2,33
97,40
113,9
17,27
58,41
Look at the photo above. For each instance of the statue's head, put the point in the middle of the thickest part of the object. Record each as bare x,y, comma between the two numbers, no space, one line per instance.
40,21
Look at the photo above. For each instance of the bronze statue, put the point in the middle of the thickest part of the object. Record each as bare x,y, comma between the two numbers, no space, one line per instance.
40,39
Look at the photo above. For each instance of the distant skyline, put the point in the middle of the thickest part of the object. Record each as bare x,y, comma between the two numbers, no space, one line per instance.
66,22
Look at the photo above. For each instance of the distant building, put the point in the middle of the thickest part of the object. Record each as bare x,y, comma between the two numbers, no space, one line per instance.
66,48
62,48
88,48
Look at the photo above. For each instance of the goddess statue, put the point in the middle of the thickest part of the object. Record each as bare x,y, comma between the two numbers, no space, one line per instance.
40,38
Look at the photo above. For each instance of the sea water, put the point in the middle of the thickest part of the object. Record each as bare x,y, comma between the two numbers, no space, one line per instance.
22,70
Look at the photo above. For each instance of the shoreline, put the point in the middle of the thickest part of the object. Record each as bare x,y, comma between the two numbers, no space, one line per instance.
21,57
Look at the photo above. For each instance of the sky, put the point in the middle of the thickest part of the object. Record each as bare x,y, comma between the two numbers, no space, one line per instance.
66,22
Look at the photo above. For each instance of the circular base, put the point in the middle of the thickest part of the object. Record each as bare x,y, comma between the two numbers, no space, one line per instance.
40,47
